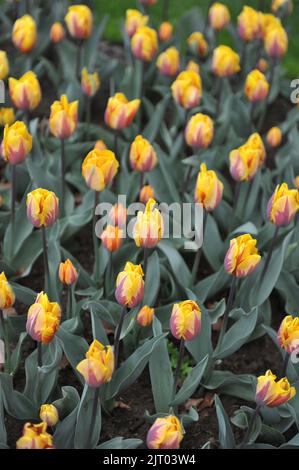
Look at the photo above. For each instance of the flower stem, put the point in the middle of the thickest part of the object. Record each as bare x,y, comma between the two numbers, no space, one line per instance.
271,82
250,426
78,59
270,253
88,110
46,260
145,259
39,354
62,175
117,335
93,415
199,251
69,308
285,365
13,206
95,238
227,312
165,10
178,367
6,341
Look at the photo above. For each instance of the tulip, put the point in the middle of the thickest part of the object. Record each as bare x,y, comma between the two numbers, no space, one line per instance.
277,5
225,61
219,16
17,143
148,2
250,24
68,274
130,285
143,156
288,334
7,116
145,316
146,193
185,320
4,65
63,118
112,238
25,92
247,159
42,207
209,189
296,182
187,89
165,433
24,34
242,257
262,65
98,366
256,86
193,66
35,436
118,215
165,31
276,42
57,32
134,20
144,43
269,22
49,415
7,299
274,137
90,82
99,168
120,112
199,131
148,228
43,319
272,393
198,44
79,21
100,145
283,205
168,62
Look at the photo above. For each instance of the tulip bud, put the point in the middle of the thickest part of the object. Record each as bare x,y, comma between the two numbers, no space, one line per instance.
198,44
272,393
209,189
49,415
168,62
144,43
274,137
199,131
247,159
187,89
262,65
130,285
193,66
250,24
17,143
67,273
219,16
100,145
148,228
7,116
4,65
146,193
145,316
165,433
283,205
63,118
90,82
286,5
256,86
288,334
99,168
24,34
165,31
42,207
225,61
98,367
134,20
7,296
120,112
112,238
148,2
25,92
142,155
118,215
43,319
185,320
79,21
242,256
57,32
276,42
35,436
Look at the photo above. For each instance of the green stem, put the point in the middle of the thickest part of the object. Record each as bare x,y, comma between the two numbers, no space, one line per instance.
13,206
46,259
39,354
6,342
88,110
145,259
227,312
199,251
62,176
95,238
250,426
271,82
165,10
270,253
69,307
93,415
178,367
117,336
285,365
78,59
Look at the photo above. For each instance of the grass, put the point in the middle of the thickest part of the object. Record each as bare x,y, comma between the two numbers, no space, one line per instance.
116,10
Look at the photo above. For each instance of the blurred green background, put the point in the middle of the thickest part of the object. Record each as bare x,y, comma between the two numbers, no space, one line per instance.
116,10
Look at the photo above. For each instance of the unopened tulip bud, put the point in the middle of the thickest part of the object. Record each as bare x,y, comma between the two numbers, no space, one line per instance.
148,228
134,20
79,21
198,44
225,61
120,112
199,132
4,65
247,159
7,296
283,205
43,319
35,436
57,32
250,24
168,62
25,92
130,285
17,143
274,137
118,215
99,168
288,334
209,189
100,145
146,193
68,274
98,367
90,82
256,86
143,156
24,34
187,89
42,207
242,256
112,238
63,118
7,116
144,43
193,66
219,16
276,42
165,433
49,415
262,65
165,31
272,393
145,316
185,320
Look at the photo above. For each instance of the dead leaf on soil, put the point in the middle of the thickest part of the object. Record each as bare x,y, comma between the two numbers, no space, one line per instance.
122,405
201,403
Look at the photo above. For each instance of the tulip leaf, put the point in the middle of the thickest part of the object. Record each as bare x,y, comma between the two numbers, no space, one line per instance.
240,386
84,418
178,265
201,346
191,382
152,280
120,443
16,403
226,436
74,348
3,434
16,354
